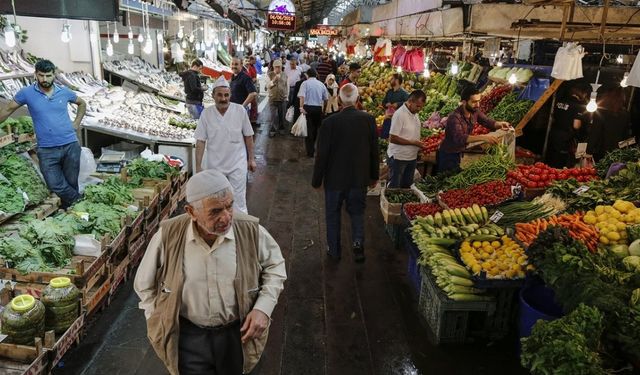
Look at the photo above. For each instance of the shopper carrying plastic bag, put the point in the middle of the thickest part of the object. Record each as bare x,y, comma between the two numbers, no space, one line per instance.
299,129
289,115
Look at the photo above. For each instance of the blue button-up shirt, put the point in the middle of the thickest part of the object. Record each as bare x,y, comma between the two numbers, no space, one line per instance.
51,121
314,92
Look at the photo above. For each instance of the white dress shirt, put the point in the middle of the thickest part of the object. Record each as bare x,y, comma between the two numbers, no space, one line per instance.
293,75
314,92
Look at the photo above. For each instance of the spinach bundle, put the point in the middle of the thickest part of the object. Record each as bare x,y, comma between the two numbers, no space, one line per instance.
103,219
22,174
11,201
22,254
110,192
54,242
620,155
142,168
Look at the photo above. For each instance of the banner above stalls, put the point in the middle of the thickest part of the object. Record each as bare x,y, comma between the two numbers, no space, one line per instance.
103,10
281,15
321,30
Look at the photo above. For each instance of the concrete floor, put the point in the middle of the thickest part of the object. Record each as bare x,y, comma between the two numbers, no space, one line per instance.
332,318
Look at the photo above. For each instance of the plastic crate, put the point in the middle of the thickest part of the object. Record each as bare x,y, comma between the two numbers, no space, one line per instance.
395,233
447,319
499,324
413,268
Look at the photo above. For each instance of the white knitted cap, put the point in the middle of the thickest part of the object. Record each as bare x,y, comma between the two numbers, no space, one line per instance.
205,184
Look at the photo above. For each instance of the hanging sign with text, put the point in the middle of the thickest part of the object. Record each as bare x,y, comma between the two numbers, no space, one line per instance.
324,31
281,15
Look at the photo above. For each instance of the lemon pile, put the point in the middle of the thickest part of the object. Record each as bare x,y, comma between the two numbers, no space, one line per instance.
612,221
502,258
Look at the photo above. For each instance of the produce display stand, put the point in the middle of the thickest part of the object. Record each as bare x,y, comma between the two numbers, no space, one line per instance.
24,360
26,138
6,140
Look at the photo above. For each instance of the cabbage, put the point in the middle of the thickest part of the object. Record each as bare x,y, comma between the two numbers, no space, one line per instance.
524,75
620,251
632,263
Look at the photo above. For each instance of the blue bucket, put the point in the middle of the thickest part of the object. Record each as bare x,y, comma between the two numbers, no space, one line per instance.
536,302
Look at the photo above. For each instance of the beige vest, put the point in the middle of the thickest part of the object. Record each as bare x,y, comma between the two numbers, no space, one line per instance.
163,328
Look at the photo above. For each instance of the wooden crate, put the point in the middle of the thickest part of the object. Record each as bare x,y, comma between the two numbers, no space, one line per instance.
135,226
165,213
98,296
119,272
26,138
64,342
137,250
119,242
151,228
24,360
81,271
6,140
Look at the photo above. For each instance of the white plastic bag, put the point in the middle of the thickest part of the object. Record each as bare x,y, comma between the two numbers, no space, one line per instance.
86,245
299,129
87,167
289,115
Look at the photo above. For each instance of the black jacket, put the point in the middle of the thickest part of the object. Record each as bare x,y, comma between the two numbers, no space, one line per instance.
192,87
347,154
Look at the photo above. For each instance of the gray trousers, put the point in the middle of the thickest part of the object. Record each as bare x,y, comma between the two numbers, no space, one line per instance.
209,351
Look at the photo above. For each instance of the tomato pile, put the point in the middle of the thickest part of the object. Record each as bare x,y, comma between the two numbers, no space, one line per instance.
432,143
412,210
541,175
487,194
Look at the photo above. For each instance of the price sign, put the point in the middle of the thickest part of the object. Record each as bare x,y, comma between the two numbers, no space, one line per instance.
581,190
496,216
627,142
25,196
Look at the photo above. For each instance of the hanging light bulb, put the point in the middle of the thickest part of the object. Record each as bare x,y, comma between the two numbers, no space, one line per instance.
203,46
148,47
184,44
160,37
426,72
623,83
165,49
399,69
180,32
65,36
593,106
9,35
454,68
191,38
619,59
381,64
130,33
116,35
109,48
140,38
197,46
499,64
513,79
130,47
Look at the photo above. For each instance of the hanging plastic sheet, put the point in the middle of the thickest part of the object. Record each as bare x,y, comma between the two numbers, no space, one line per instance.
634,75
535,89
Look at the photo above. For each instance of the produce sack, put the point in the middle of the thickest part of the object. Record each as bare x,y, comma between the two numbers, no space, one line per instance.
23,320
289,115
299,129
87,167
60,299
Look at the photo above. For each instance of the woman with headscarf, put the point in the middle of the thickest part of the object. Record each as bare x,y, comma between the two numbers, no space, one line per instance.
332,87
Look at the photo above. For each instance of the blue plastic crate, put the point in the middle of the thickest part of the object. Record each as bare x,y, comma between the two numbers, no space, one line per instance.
413,268
394,231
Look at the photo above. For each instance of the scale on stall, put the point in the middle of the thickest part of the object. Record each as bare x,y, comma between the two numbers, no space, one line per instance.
111,162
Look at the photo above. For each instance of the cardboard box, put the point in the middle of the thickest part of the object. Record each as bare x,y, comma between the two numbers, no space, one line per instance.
391,212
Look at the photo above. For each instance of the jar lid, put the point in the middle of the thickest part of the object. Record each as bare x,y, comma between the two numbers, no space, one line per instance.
23,303
60,282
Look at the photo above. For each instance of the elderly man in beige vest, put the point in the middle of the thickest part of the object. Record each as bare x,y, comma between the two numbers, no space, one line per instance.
209,282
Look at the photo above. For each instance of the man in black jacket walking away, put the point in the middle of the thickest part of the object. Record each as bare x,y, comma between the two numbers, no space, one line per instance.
193,89
347,161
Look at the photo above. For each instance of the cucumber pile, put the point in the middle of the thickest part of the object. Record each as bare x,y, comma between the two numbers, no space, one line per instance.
458,223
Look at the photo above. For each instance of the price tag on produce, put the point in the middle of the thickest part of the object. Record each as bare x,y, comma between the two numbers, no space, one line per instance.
627,142
496,216
3,337
516,190
581,190
25,196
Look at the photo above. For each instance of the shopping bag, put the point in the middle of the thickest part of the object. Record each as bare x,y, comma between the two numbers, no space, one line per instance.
299,129
289,115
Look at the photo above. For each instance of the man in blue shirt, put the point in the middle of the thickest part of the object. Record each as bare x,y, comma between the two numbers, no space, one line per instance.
313,97
58,147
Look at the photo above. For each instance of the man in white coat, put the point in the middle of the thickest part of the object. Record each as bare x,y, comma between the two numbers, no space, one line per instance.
225,133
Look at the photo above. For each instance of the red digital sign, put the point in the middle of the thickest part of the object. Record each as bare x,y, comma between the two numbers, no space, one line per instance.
281,21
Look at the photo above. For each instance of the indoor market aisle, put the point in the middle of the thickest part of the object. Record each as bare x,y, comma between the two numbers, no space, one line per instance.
333,318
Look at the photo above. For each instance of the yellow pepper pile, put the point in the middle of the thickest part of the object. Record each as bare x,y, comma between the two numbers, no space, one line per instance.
612,221
502,258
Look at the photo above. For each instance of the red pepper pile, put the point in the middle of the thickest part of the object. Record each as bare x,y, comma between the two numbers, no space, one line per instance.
487,194
412,210
541,175
489,101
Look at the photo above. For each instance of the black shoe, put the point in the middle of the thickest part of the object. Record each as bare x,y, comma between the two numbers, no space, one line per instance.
333,256
272,133
358,253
